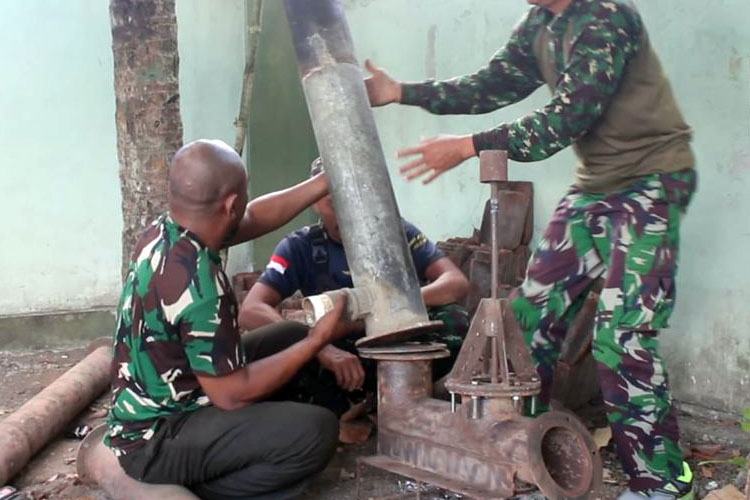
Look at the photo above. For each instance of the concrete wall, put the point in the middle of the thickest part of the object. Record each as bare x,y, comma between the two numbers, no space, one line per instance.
706,51
59,188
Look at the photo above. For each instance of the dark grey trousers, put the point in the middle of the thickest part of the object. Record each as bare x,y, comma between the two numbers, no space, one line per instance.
263,451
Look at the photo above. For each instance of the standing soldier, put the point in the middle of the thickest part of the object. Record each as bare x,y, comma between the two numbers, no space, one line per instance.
620,220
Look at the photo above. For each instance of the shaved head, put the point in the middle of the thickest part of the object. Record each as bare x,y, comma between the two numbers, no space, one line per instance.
208,190
203,173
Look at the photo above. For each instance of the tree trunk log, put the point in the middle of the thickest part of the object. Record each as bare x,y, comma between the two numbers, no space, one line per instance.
149,126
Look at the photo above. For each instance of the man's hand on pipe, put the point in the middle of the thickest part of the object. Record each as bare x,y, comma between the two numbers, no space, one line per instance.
325,331
435,156
381,88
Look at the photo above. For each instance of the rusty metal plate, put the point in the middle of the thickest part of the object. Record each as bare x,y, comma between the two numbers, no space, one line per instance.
405,348
513,220
404,356
399,336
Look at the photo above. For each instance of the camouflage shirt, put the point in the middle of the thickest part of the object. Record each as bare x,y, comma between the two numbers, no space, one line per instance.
177,318
589,71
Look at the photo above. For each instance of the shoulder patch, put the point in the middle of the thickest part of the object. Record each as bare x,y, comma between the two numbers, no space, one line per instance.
278,264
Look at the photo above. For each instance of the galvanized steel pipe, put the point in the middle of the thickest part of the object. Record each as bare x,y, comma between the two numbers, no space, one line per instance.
349,145
33,425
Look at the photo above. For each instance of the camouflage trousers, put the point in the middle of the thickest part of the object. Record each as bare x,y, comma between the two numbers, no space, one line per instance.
631,240
456,322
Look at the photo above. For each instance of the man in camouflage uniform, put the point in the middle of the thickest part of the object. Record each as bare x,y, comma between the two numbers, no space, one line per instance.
312,260
620,220
188,394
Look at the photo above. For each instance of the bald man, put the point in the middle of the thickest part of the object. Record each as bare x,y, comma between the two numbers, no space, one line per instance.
190,397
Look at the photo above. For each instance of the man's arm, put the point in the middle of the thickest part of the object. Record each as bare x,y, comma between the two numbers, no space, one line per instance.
584,90
510,76
592,77
273,210
260,307
447,283
261,378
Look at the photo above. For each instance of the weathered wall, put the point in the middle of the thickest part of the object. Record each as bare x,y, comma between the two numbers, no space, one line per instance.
706,51
59,188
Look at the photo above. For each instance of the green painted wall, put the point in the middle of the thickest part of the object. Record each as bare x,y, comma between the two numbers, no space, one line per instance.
282,144
59,186
706,51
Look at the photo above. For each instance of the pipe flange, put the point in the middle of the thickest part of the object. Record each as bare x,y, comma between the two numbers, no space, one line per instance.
406,352
400,335
563,457
405,348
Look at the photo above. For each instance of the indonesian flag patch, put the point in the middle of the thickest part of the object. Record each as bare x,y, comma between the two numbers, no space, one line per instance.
278,264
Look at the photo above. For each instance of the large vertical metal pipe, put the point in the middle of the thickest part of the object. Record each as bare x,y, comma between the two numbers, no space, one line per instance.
349,145
45,415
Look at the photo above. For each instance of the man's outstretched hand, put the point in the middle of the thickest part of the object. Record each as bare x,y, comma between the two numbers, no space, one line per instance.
381,88
436,156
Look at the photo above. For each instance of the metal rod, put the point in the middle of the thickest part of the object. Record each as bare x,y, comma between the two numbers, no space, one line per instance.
453,402
493,343
353,158
494,214
40,419
504,354
516,403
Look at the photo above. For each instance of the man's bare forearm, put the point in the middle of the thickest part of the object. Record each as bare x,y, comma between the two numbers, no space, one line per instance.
257,315
260,378
271,211
448,288
265,376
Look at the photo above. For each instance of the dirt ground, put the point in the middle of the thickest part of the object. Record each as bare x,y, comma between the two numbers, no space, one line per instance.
52,473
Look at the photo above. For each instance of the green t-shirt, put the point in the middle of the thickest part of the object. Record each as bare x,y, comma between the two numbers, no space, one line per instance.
177,317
